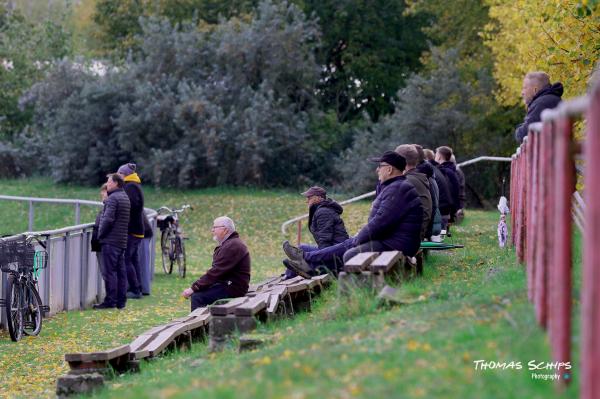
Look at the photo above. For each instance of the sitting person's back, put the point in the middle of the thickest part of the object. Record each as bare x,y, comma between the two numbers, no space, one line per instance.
325,223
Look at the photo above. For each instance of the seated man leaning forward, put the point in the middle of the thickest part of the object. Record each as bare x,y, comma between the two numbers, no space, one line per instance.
229,274
394,222
325,224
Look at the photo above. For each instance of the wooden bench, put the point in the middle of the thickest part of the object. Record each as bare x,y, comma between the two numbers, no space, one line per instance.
369,270
100,362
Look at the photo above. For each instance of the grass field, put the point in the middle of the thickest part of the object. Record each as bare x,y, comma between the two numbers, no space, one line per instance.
473,307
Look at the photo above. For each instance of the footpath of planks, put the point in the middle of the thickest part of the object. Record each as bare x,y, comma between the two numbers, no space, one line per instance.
271,299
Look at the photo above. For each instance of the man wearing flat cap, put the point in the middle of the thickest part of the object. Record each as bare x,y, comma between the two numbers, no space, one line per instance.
324,223
394,222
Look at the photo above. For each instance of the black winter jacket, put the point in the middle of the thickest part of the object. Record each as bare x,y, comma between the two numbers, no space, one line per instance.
421,184
136,217
396,217
325,223
113,224
449,170
95,243
445,198
547,98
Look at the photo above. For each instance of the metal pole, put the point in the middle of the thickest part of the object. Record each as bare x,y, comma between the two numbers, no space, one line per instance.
77,213
31,214
299,233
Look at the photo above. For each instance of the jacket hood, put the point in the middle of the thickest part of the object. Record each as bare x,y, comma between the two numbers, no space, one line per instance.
419,175
449,165
329,203
425,168
555,90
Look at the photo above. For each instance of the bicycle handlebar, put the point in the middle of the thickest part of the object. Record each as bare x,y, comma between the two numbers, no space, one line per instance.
183,208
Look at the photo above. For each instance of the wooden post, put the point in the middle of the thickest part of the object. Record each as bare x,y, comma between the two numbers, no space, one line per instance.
590,311
560,319
532,185
511,199
541,228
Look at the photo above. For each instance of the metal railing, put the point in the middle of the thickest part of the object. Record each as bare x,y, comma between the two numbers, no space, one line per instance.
546,206
72,279
299,219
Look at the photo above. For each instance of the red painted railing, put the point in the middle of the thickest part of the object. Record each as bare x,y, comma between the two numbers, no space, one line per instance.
545,207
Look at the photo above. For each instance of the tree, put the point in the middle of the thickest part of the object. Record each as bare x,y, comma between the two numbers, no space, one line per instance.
368,49
558,37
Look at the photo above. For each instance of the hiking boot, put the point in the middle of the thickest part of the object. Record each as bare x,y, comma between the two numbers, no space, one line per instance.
292,252
100,306
300,268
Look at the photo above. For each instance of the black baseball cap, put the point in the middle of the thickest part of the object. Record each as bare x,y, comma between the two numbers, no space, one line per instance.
391,158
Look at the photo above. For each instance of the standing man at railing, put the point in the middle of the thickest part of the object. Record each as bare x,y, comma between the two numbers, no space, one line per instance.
112,234
443,156
133,189
538,94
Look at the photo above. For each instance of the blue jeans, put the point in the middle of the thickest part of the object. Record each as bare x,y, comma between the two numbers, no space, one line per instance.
330,257
115,276
208,296
132,262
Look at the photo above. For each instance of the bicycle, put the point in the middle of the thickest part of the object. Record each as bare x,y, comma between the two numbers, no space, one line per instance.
172,245
22,302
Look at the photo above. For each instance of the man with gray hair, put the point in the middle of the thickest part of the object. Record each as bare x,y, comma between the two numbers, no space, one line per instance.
538,94
229,275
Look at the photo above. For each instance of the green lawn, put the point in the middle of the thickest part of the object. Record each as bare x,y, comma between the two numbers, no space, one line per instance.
473,307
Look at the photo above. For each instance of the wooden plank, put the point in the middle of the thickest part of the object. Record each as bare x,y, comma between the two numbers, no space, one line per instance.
297,287
384,262
273,303
324,279
360,262
227,308
311,283
253,306
141,341
200,311
163,339
98,356
291,281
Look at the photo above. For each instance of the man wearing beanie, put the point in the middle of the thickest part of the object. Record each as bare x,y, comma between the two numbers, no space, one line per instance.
133,189
394,222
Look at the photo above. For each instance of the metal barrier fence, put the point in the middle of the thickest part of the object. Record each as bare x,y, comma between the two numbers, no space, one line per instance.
545,207
72,279
298,219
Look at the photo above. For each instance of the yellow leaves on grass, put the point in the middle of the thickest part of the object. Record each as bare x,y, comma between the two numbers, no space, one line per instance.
413,346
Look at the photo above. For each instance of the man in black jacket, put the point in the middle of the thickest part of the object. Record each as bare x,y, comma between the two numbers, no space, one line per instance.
394,222
445,198
324,223
538,94
112,234
133,189
229,275
443,155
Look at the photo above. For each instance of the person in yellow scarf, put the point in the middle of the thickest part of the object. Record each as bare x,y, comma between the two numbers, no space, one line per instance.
133,189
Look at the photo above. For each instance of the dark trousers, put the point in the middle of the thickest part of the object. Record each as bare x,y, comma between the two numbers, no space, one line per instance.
330,257
132,262
115,276
370,246
209,295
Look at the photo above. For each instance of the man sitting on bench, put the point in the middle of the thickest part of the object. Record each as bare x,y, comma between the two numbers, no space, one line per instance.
394,222
229,275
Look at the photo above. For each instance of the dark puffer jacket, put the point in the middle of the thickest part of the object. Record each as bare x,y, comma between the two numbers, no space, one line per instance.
547,98
449,170
444,199
136,218
434,190
230,266
114,221
396,217
325,223
462,195
95,243
421,184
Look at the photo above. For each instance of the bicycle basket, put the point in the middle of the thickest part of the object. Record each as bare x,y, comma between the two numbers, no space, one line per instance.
163,221
20,256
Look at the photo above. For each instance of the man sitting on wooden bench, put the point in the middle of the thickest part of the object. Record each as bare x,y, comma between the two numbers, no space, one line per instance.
229,275
394,223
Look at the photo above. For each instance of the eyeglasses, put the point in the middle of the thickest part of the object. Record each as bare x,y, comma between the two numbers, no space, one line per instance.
382,165
217,227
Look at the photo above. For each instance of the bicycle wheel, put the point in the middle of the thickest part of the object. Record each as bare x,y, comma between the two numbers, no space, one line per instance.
32,311
165,249
13,303
180,250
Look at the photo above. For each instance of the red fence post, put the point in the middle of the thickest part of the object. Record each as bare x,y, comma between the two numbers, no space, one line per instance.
590,307
533,211
560,291
513,169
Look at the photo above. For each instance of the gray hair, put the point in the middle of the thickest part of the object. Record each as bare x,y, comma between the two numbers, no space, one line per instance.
225,221
410,153
540,78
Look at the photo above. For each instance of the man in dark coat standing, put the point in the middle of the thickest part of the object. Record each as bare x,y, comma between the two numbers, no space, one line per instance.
112,234
133,189
394,222
326,226
229,275
538,94
443,156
